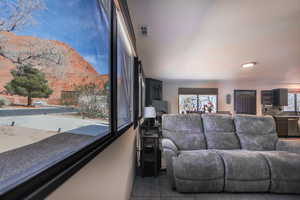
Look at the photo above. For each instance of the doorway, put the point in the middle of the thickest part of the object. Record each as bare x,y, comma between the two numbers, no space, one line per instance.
245,102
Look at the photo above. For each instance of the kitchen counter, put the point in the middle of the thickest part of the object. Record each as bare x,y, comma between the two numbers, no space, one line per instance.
287,116
287,125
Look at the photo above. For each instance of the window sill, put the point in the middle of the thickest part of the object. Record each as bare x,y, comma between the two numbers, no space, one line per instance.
43,182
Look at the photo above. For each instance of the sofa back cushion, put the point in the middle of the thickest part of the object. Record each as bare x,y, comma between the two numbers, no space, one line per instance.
256,132
219,132
185,131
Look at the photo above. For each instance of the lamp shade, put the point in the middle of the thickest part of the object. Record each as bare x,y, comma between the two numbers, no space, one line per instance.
149,112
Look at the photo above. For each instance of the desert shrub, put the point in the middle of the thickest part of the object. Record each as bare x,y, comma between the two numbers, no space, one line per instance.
92,101
2,103
69,98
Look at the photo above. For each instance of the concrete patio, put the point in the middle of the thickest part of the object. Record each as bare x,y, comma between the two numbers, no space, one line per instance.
51,122
28,129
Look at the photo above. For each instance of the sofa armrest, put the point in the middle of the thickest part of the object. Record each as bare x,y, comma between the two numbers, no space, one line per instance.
170,151
292,146
169,145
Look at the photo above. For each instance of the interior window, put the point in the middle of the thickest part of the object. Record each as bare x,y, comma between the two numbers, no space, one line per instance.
188,103
125,62
208,103
141,94
298,102
291,103
197,103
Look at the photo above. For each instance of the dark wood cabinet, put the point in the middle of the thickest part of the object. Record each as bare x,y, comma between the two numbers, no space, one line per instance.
276,97
267,97
153,90
280,97
287,126
282,126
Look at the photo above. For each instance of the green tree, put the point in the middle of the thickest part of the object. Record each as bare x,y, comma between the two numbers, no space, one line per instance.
28,82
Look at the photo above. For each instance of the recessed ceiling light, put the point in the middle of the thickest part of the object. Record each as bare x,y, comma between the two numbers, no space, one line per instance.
249,64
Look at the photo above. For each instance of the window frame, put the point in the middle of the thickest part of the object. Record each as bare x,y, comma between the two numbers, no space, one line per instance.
45,181
129,68
136,91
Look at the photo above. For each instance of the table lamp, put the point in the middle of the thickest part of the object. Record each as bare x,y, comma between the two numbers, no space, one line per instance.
149,113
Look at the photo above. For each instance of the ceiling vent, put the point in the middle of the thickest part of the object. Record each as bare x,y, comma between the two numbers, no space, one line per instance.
144,30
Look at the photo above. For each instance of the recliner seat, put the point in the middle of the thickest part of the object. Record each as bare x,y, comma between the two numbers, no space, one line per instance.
189,177
218,153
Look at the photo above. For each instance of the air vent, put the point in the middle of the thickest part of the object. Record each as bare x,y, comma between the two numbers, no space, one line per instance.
144,30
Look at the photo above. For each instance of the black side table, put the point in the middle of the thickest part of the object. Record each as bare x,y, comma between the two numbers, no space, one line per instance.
150,152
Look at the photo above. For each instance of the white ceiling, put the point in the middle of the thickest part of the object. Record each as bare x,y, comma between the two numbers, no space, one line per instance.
210,39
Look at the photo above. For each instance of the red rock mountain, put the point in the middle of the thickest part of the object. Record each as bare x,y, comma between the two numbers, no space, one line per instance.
63,66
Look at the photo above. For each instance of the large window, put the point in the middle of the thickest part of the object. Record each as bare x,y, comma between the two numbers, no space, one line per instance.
197,103
58,79
208,103
125,75
201,100
293,102
298,102
188,103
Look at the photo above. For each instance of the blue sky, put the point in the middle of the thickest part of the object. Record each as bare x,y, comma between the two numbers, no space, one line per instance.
78,23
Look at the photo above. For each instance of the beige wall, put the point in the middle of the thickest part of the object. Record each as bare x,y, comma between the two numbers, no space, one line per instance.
109,176
170,91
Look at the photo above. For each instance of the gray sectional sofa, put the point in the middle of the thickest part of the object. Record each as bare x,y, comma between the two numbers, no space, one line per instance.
220,153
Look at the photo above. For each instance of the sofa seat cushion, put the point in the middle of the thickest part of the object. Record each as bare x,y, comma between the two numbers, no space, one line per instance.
245,171
285,171
219,132
256,133
198,171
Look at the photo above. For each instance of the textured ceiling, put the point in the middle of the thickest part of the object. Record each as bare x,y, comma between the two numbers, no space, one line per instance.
210,39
